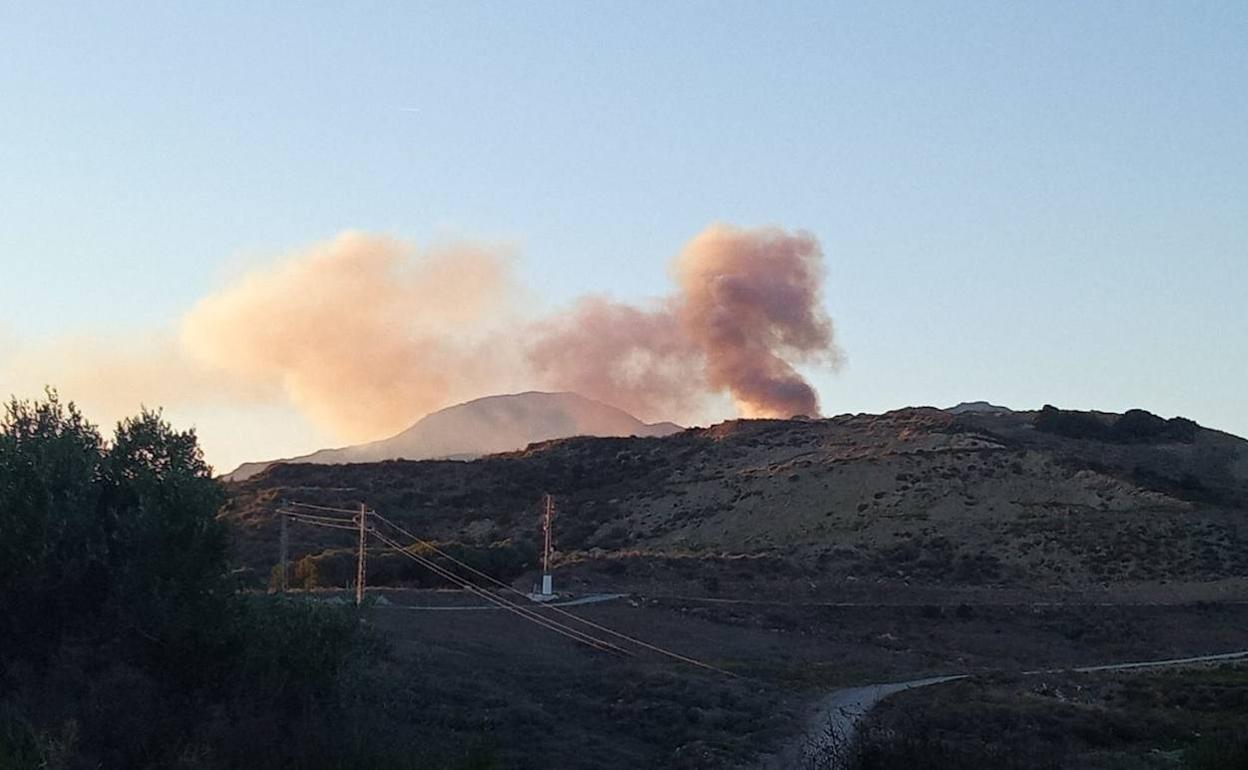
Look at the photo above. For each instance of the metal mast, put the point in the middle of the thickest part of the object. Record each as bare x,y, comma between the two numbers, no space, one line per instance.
547,582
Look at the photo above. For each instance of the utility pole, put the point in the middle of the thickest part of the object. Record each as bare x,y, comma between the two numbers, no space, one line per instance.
547,581
285,547
359,564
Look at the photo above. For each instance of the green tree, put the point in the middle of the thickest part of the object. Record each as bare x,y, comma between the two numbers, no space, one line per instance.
53,531
168,551
101,541
123,641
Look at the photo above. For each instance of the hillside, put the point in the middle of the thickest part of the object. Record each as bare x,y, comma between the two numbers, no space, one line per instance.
485,426
913,497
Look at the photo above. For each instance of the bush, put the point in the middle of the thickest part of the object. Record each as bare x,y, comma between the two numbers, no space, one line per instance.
1222,751
912,747
292,650
1139,425
1078,425
1136,425
20,746
336,567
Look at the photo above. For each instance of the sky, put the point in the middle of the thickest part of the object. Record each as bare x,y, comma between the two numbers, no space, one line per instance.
1023,203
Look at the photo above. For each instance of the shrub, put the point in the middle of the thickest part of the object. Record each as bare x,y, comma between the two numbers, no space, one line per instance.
307,574
1136,425
911,746
1222,751
1139,425
1078,425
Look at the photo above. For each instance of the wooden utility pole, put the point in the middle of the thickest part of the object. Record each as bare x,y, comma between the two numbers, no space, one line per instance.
359,564
285,546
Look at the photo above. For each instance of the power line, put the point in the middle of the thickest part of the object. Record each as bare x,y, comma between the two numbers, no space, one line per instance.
523,612
358,524
560,610
316,523
316,517
328,526
351,511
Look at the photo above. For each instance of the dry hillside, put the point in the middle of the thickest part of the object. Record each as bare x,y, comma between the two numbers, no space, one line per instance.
916,497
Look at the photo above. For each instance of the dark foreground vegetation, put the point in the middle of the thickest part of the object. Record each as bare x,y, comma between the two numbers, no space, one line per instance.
1194,719
125,643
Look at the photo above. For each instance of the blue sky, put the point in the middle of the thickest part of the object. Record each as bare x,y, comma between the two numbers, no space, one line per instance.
1026,203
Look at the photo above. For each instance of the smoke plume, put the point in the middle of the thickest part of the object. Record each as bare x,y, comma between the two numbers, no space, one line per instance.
637,359
365,334
750,302
748,307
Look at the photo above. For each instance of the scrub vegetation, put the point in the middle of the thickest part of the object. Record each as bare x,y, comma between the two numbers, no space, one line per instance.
1191,719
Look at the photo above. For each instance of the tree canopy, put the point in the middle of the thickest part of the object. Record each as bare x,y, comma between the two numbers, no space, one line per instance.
102,537
120,626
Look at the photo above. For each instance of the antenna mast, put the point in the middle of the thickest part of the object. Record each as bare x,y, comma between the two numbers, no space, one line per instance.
547,582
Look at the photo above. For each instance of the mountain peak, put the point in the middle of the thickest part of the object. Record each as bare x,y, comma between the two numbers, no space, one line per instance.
486,425
978,406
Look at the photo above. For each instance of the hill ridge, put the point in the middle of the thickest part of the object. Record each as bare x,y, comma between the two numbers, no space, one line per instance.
482,426
915,496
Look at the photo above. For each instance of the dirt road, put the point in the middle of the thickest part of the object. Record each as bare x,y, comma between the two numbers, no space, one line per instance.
579,601
837,716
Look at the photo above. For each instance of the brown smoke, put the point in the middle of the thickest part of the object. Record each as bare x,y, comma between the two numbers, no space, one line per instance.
366,334
114,377
632,358
363,334
750,301
748,307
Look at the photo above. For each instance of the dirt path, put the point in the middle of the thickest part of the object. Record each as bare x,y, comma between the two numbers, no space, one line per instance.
1220,657
837,715
909,604
591,599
